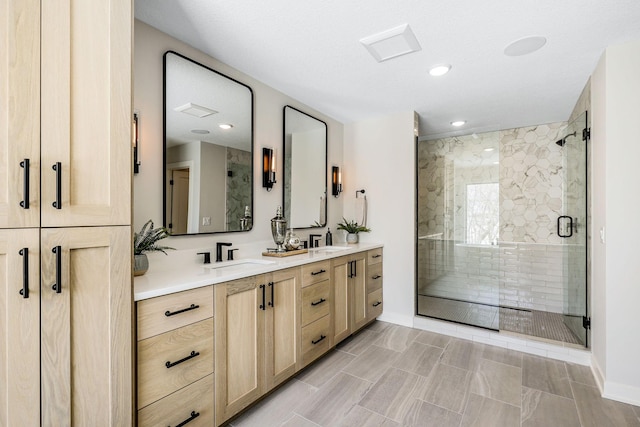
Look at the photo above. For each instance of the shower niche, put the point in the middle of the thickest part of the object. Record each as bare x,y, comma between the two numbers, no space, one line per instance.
501,230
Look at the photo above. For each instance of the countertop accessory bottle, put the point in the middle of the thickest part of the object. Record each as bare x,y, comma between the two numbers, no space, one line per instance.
328,239
279,230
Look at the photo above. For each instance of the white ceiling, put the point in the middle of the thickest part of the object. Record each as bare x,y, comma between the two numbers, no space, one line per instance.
310,50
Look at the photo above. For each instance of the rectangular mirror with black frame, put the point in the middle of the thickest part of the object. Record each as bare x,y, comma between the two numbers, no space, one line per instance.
305,169
208,149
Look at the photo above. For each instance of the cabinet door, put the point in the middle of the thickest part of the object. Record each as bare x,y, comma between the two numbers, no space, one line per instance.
19,328
19,113
282,326
239,344
340,269
86,348
359,286
86,112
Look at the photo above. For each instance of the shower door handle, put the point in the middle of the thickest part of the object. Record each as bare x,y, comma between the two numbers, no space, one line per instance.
559,223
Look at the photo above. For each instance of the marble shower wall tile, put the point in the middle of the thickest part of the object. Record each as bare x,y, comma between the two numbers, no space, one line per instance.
531,183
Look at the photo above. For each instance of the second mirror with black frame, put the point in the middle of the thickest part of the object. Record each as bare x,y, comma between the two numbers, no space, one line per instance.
305,169
208,152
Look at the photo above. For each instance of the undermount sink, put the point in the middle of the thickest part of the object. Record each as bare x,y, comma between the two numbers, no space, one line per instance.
329,248
239,264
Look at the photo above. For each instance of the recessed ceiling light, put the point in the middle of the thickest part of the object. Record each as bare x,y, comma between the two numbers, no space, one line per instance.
225,126
439,70
525,46
489,149
391,43
458,123
200,131
195,110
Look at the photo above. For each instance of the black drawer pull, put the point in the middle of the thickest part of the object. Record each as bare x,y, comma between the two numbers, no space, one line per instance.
315,273
173,313
58,168
318,302
58,285
184,359
193,416
377,276
24,253
263,306
375,304
376,256
25,203
318,340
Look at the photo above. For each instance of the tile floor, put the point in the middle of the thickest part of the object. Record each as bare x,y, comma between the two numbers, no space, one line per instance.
389,375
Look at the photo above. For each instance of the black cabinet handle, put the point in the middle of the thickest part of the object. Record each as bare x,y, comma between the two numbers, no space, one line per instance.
184,359
173,313
271,303
24,252
262,306
377,276
375,304
376,256
58,168
25,202
318,340
58,285
193,416
315,273
318,302
350,269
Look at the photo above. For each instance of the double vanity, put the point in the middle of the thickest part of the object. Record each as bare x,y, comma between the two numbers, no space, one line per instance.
214,338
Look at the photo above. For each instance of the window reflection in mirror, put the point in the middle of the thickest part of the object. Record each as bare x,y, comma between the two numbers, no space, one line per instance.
208,152
305,169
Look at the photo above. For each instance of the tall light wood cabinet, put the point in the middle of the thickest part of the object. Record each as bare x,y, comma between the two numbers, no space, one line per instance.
19,327
65,98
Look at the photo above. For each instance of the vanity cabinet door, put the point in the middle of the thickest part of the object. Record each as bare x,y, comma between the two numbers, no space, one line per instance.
282,326
240,307
19,327
86,116
20,113
359,286
340,272
86,322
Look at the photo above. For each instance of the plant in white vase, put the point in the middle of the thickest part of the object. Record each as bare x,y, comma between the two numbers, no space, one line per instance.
146,241
352,228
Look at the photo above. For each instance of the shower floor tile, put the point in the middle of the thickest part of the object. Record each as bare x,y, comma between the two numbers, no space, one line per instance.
527,322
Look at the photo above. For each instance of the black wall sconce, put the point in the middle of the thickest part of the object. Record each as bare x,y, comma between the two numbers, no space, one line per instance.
268,168
135,142
336,181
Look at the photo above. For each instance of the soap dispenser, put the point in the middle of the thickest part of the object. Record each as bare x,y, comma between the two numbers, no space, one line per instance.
328,239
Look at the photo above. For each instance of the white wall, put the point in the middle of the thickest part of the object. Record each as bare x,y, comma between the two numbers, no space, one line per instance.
150,44
380,158
616,207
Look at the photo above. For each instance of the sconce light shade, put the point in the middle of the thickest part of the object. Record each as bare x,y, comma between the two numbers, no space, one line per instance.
336,181
268,168
135,142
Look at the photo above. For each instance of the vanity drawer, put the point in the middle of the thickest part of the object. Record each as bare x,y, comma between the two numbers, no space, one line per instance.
316,272
173,360
374,256
315,302
374,304
165,313
316,339
374,277
182,405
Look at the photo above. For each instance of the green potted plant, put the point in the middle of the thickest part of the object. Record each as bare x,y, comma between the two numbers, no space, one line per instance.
352,228
146,241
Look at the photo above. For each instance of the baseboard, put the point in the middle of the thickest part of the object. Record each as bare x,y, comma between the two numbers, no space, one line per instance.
397,319
622,393
597,374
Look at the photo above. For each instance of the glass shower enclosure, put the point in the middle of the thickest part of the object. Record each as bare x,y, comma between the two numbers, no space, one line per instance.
501,230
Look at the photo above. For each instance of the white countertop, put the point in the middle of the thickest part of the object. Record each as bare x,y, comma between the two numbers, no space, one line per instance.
183,269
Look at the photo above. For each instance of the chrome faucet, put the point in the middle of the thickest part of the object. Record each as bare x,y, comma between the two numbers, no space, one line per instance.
219,246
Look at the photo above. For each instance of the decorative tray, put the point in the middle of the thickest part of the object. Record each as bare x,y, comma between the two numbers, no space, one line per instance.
285,254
